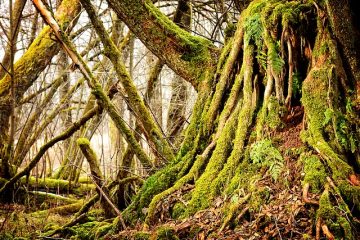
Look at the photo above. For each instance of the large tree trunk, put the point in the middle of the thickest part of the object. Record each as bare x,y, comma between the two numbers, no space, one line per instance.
287,63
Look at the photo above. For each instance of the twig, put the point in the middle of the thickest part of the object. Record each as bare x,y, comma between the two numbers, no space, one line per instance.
277,228
112,205
318,227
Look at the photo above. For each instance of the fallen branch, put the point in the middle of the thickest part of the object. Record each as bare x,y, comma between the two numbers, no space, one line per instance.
61,210
66,134
46,195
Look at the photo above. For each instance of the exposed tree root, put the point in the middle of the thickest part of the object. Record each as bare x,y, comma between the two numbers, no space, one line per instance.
318,229
305,195
234,209
327,232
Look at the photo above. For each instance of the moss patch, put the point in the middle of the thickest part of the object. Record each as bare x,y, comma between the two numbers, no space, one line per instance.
315,173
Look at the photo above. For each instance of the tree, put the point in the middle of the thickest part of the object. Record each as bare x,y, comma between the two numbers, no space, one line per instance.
276,65
282,95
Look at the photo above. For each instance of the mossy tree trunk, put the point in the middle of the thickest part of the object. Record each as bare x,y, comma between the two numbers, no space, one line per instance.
287,59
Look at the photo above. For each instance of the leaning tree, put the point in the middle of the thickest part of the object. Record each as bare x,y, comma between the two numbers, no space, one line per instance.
289,70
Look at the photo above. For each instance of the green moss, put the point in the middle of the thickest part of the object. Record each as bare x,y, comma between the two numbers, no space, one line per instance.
82,231
246,176
224,54
334,217
315,173
6,236
315,89
351,194
141,236
274,112
193,130
164,233
178,210
103,229
259,197
217,160
58,184
64,210
83,141
306,237
192,175
230,30
155,184
196,49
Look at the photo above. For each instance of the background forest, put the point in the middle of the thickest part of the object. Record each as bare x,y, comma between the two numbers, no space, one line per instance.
186,119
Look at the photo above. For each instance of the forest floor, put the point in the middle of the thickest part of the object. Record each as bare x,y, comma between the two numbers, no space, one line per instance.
284,216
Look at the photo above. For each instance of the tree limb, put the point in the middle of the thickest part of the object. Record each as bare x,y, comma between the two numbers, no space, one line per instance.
181,51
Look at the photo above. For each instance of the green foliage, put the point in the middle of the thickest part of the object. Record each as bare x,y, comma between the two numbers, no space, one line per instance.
264,154
254,29
262,57
329,113
296,84
276,61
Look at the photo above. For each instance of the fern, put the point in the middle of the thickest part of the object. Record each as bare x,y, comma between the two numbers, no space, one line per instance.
262,58
329,113
264,154
296,84
254,29
275,59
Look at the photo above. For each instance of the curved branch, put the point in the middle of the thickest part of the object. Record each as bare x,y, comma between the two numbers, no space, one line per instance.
181,51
